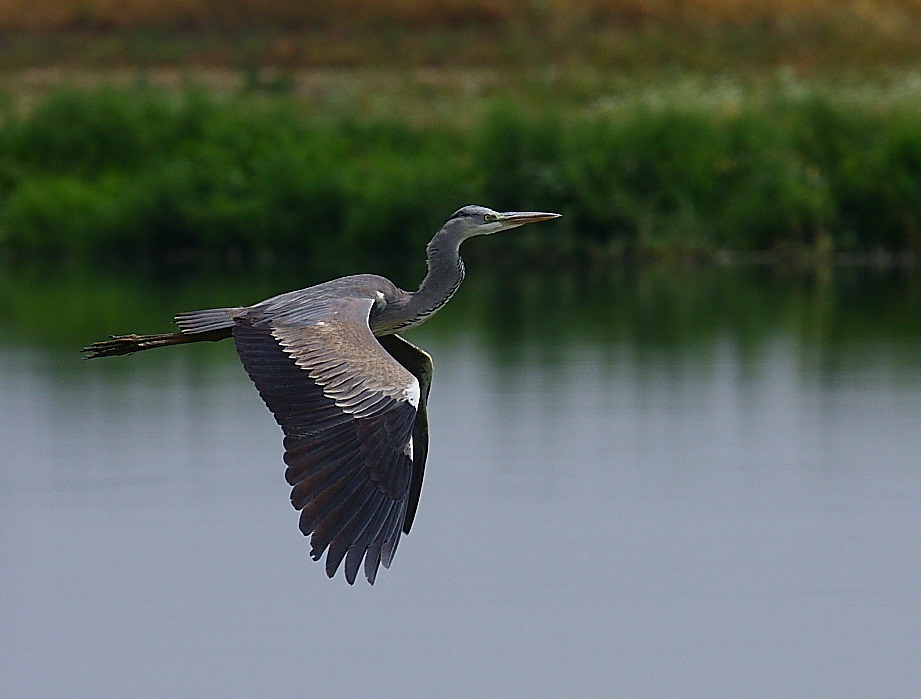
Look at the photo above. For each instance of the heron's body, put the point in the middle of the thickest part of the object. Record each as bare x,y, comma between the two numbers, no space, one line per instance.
349,393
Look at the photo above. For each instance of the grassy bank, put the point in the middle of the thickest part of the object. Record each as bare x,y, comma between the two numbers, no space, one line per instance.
621,34
101,14
140,173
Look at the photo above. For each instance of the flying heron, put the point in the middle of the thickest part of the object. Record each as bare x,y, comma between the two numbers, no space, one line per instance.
348,392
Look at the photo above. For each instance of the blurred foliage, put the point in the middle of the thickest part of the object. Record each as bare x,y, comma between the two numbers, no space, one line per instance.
626,34
565,14
138,173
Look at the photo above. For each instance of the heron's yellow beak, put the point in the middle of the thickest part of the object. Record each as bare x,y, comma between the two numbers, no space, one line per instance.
519,218
513,219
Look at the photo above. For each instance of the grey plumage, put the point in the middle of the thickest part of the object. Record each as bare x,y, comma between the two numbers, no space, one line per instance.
350,395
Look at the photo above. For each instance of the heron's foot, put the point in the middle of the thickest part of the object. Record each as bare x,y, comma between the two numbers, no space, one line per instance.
114,346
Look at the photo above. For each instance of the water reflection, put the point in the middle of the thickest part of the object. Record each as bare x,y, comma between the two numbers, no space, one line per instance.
662,308
657,483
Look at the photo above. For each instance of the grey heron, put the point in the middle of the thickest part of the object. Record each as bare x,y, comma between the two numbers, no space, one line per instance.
349,393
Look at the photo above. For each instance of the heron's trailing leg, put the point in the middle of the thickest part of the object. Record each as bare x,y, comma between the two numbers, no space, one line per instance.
128,344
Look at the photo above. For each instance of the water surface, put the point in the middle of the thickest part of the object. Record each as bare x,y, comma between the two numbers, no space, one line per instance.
694,484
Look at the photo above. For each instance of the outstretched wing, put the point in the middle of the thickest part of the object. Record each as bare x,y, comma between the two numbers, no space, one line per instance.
347,409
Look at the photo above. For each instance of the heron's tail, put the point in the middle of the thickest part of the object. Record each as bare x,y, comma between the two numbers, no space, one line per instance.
197,326
195,322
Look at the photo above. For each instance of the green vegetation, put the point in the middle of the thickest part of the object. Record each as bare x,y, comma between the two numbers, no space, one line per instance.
686,169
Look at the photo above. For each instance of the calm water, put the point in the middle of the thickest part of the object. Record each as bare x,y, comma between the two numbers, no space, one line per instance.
696,487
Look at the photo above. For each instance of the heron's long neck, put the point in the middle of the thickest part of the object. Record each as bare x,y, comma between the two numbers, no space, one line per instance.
445,274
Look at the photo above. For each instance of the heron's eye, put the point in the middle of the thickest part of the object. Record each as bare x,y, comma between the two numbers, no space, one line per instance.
488,217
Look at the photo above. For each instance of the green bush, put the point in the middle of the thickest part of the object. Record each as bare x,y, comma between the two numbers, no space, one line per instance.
138,172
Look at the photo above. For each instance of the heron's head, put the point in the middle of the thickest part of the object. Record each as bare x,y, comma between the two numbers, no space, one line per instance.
478,220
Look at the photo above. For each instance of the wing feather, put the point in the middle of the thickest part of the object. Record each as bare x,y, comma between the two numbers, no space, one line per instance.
344,404
350,527
359,549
